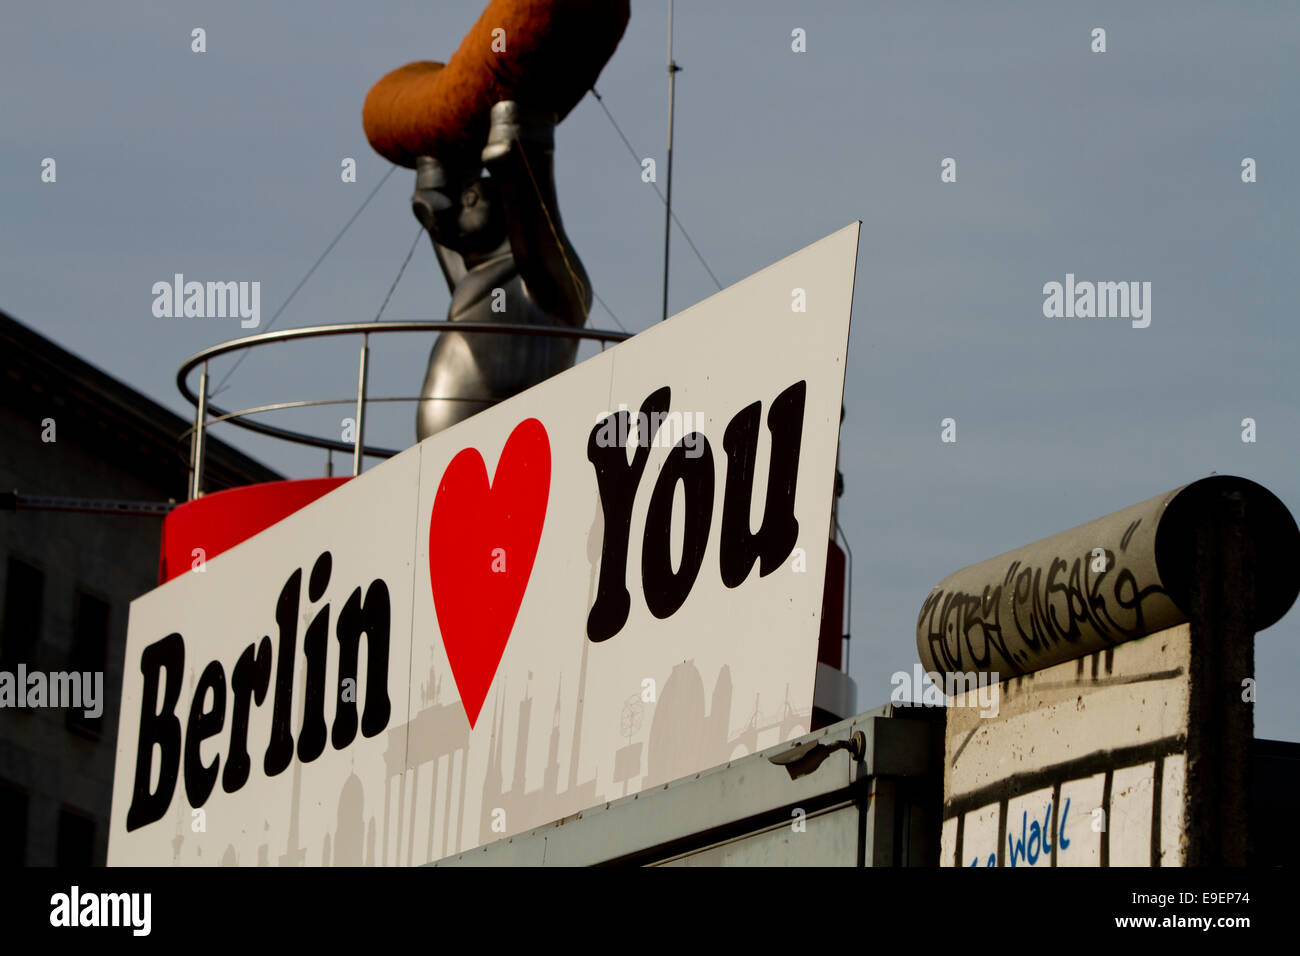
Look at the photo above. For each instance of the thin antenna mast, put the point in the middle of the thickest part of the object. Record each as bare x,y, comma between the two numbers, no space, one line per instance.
673,70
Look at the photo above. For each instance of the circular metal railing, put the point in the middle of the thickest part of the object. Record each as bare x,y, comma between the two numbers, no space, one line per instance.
207,414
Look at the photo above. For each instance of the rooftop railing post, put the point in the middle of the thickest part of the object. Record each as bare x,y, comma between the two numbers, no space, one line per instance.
359,451
189,475
200,424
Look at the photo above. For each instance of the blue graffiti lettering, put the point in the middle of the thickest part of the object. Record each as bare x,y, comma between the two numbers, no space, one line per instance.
1039,841
1035,838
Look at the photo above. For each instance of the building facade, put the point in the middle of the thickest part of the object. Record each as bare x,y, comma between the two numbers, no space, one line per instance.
68,430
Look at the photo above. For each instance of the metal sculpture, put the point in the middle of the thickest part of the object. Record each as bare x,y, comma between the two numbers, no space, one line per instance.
498,237
506,258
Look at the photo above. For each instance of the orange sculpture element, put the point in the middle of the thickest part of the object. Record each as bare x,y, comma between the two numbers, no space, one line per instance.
543,54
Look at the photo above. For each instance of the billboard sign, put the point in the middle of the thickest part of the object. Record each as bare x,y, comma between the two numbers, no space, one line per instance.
612,580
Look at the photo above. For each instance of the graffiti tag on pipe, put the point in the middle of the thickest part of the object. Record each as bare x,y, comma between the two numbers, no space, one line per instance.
1017,625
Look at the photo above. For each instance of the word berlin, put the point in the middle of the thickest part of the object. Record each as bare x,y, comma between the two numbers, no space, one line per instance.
663,587
249,684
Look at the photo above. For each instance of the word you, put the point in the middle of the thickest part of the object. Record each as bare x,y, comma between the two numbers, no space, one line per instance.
953,689
664,588
77,691
208,300
75,908
1101,300
163,666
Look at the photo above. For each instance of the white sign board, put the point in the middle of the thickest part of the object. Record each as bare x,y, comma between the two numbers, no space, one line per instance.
607,582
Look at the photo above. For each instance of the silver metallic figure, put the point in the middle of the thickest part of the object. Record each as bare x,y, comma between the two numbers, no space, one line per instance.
506,259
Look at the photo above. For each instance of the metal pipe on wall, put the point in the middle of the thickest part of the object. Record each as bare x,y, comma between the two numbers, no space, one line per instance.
1114,579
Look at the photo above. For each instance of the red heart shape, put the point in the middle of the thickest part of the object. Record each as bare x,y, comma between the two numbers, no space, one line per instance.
482,543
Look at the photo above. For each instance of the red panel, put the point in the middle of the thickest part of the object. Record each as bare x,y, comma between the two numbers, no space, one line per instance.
219,521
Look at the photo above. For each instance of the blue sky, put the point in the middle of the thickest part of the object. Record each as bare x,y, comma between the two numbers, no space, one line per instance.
1123,165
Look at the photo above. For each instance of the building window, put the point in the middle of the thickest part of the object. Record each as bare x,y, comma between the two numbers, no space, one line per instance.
76,839
89,655
24,595
13,825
